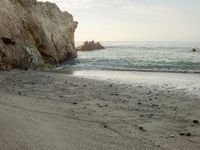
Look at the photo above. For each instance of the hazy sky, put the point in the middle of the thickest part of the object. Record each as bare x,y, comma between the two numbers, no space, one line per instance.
135,20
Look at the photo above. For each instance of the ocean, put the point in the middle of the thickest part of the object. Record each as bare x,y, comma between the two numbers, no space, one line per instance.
139,56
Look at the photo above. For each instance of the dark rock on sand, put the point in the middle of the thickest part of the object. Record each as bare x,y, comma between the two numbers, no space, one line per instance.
188,134
142,129
105,126
90,46
195,121
182,134
185,134
75,103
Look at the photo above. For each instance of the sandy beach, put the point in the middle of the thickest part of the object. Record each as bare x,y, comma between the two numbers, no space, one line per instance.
59,111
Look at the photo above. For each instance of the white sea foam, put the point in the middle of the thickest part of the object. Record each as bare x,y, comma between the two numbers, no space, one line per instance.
188,83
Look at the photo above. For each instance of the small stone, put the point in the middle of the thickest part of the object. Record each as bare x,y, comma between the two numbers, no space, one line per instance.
185,134
195,121
182,134
142,129
154,105
172,136
188,134
148,92
105,126
75,103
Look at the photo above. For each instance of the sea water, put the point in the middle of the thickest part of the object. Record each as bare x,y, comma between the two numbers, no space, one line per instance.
140,56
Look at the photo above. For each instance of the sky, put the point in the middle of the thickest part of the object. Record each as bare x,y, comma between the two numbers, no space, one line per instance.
134,20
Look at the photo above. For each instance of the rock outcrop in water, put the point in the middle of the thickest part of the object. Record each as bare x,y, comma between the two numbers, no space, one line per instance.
90,46
33,33
194,50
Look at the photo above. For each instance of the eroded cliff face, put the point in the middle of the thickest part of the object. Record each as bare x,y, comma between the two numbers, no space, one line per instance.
33,33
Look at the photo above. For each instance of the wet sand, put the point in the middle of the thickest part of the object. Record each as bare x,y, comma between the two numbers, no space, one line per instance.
48,111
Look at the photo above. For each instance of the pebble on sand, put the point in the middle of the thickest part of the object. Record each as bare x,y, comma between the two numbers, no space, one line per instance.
185,134
75,103
142,129
196,121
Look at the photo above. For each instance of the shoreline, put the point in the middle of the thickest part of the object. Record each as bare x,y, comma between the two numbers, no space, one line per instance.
45,110
190,83
58,69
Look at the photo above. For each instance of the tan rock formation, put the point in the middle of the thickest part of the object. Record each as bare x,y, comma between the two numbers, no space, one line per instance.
34,32
89,46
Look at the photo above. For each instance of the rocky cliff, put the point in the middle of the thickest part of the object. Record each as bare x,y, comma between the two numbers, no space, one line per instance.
33,33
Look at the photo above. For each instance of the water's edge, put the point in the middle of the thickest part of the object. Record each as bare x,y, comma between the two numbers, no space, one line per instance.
140,56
